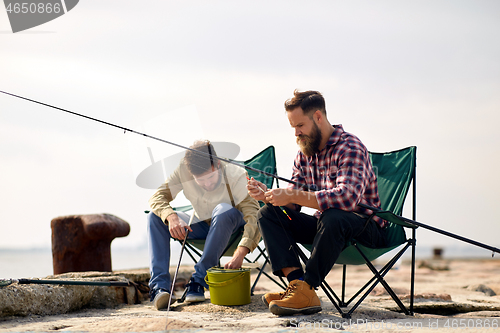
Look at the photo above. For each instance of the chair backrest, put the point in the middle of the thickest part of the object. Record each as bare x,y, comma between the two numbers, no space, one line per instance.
264,161
395,171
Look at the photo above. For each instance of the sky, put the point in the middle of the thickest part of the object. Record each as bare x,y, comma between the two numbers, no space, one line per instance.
394,73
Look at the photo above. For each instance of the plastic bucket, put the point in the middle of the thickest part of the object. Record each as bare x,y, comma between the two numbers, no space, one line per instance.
229,286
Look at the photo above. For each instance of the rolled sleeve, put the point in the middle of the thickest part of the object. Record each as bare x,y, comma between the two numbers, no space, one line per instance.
251,234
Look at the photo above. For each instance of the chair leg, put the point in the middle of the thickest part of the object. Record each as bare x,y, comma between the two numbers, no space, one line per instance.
324,286
183,297
281,284
412,286
383,272
261,271
331,294
189,249
344,272
380,278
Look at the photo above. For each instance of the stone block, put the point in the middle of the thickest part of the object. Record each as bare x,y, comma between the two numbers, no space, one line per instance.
49,299
82,243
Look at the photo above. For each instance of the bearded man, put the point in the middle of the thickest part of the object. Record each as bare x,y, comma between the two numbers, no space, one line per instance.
332,173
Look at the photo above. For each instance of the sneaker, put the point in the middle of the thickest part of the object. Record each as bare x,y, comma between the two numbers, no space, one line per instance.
269,297
299,297
195,292
161,298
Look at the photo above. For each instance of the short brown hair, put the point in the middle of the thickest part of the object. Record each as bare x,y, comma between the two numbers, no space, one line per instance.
309,101
199,163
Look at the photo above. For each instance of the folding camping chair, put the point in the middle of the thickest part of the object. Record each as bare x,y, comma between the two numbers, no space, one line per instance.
264,161
395,172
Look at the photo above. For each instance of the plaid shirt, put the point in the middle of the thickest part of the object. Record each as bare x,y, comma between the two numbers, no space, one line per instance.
341,175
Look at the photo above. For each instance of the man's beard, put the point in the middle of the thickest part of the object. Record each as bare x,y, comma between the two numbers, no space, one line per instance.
310,145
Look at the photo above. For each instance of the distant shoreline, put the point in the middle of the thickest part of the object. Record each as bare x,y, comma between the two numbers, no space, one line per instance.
37,262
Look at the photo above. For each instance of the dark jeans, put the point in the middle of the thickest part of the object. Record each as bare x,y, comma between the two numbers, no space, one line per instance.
328,236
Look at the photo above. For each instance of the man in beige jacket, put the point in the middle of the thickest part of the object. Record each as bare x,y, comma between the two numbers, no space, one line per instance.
218,194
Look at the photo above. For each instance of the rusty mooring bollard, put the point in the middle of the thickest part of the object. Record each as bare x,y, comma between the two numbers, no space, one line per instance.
82,243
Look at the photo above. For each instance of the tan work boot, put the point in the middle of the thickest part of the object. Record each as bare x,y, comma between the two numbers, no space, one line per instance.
300,297
269,297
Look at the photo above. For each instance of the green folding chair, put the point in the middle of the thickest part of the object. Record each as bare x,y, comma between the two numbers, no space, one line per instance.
395,171
264,161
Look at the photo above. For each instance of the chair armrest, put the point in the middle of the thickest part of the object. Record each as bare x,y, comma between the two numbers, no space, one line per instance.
177,209
391,217
183,208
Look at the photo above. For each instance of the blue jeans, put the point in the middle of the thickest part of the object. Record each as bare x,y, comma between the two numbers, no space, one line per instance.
225,221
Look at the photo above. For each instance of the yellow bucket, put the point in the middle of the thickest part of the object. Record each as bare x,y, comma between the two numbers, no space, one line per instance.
228,286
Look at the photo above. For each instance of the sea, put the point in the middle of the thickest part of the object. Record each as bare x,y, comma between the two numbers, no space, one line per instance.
37,262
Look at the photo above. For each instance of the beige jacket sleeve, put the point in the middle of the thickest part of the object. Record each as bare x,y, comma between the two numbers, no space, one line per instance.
251,235
247,205
160,201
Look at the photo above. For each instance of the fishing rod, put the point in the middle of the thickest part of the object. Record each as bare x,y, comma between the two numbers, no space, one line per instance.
172,287
412,222
440,231
7,282
125,130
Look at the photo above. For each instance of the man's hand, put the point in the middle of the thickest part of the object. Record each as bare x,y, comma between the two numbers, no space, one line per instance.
177,227
278,197
286,197
237,259
256,189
